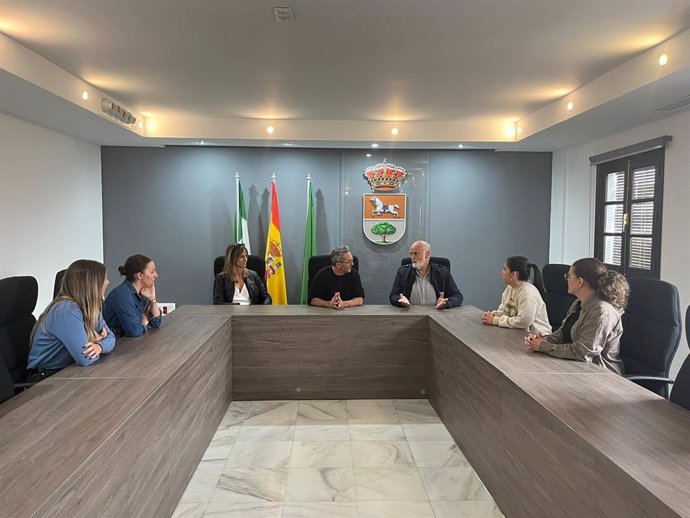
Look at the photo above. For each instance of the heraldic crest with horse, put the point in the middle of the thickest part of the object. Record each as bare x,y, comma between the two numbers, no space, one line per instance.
384,210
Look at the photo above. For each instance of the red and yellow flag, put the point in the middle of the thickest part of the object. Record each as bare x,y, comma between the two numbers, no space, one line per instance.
275,268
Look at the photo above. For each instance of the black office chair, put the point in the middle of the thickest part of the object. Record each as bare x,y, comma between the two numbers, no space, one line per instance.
58,282
558,300
6,383
317,262
8,388
680,395
443,261
651,331
254,262
18,297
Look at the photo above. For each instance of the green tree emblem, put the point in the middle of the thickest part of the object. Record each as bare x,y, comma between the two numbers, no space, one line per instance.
383,229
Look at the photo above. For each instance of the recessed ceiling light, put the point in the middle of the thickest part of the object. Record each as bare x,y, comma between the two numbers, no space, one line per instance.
85,95
394,131
663,60
287,144
368,155
569,106
201,142
461,145
270,129
374,145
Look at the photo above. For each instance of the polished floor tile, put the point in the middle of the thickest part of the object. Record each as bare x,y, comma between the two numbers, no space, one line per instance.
251,485
386,483
320,485
395,510
453,484
319,510
320,430
426,432
323,410
466,509
244,510
437,454
415,411
334,459
381,453
376,432
260,454
272,432
366,411
321,454
200,487
263,412
191,510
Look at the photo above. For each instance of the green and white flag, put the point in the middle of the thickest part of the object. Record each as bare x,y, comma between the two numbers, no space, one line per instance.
241,234
309,241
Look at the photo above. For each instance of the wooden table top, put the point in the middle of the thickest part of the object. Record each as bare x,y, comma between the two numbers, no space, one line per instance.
645,435
158,353
49,431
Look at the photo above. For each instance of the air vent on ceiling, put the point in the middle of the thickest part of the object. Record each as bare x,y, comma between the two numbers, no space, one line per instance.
683,101
283,14
117,112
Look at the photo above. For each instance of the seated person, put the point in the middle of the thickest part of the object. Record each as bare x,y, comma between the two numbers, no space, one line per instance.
423,282
522,303
236,284
72,329
592,328
337,286
131,307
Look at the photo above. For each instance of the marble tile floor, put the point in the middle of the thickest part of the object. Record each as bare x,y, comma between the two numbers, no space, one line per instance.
334,459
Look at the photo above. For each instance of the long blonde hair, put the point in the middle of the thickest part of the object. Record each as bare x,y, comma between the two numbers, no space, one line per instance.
81,284
232,253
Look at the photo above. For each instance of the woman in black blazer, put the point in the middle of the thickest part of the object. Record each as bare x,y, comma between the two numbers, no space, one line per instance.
236,284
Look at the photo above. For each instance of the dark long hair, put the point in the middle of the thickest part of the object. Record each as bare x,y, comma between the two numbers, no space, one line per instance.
522,267
232,253
133,265
609,285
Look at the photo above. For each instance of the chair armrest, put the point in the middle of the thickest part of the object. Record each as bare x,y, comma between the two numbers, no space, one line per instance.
23,385
660,379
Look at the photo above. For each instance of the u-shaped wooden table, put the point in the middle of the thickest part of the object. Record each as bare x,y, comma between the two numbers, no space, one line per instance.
548,437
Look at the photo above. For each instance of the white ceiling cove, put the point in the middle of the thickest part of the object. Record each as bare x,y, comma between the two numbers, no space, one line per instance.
343,73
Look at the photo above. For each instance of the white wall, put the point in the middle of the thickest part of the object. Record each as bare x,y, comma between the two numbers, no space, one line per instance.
50,203
573,196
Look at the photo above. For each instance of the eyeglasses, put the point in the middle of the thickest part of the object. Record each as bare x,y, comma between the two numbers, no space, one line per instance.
347,262
567,276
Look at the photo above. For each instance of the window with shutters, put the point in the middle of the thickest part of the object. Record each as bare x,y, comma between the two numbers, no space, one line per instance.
628,214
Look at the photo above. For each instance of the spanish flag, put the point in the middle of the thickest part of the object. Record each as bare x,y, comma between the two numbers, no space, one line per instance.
275,268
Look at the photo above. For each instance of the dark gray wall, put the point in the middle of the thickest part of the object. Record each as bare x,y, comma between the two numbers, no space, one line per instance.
176,205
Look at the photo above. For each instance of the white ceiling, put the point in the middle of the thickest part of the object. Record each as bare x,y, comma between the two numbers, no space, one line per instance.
445,63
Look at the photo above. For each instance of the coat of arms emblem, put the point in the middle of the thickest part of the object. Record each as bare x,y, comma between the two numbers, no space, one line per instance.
384,211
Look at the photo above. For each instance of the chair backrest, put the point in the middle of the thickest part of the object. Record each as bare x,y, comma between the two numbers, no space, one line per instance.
58,282
18,296
443,261
651,330
317,262
254,262
680,395
6,383
558,300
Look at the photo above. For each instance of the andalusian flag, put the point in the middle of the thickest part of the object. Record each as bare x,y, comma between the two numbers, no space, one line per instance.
241,234
275,268
309,241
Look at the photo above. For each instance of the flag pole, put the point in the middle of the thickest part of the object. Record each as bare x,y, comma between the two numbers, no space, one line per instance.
238,223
